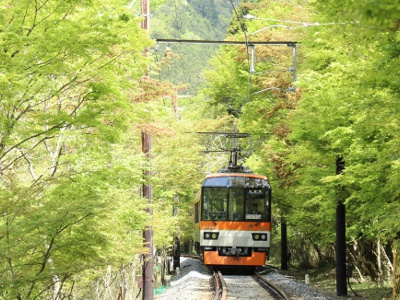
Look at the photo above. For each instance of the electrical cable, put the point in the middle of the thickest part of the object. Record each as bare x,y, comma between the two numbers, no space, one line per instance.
244,29
286,26
303,24
176,19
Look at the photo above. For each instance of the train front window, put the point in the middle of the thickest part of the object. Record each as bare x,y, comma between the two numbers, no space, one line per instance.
256,204
214,204
236,198
236,204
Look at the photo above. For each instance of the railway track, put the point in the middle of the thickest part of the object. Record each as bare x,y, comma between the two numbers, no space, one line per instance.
219,287
193,283
280,294
235,287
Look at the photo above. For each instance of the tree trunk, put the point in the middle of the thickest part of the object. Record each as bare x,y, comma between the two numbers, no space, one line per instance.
379,262
56,288
388,265
355,264
362,255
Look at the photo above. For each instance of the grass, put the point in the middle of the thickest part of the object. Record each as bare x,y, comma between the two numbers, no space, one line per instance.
324,281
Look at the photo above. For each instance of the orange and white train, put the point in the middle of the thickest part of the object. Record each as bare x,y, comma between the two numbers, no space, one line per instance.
233,219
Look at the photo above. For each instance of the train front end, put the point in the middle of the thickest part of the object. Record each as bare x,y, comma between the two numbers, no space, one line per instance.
233,217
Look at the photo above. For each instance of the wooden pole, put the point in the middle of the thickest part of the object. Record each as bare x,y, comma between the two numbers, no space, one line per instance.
177,241
148,260
145,11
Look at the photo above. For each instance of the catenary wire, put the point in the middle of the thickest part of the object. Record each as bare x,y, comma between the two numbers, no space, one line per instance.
244,29
176,20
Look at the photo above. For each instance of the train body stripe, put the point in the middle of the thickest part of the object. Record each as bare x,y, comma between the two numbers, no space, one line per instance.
232,225
212,258
235,238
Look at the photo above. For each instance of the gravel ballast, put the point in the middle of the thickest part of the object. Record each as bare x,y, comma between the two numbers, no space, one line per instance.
192,282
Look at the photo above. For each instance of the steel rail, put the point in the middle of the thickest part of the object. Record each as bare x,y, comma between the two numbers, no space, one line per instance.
272,286
224,295
220,290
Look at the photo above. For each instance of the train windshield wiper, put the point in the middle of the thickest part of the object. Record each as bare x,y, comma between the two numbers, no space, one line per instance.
212,219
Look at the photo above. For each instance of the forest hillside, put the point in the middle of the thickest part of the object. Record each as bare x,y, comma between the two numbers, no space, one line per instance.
189,20
326,121
80,82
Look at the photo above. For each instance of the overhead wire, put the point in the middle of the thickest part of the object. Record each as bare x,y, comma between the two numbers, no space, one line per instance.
167,48
176,20
244,29
302,25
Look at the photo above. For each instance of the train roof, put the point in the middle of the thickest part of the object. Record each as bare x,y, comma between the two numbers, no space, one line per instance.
250,175
236,180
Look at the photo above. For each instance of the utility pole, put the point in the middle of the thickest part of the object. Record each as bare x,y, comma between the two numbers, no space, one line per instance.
341,286
145,12
148,261
284,247
177,238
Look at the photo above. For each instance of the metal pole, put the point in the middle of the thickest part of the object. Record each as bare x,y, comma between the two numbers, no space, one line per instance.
284,247
252,70
395,281
177,241
175,103
294,63
294,68
235,148
341,286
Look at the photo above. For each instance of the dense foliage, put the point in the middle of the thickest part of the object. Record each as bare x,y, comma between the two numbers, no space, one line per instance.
351,89
75,98
344,109
60,114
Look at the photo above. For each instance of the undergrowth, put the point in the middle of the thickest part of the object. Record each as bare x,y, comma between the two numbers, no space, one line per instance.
324,281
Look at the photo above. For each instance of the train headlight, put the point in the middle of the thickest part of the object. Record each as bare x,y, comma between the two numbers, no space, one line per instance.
211,235
259,237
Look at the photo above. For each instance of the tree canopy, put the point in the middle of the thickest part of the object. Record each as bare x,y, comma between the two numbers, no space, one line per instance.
79,81
344,108
69,78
